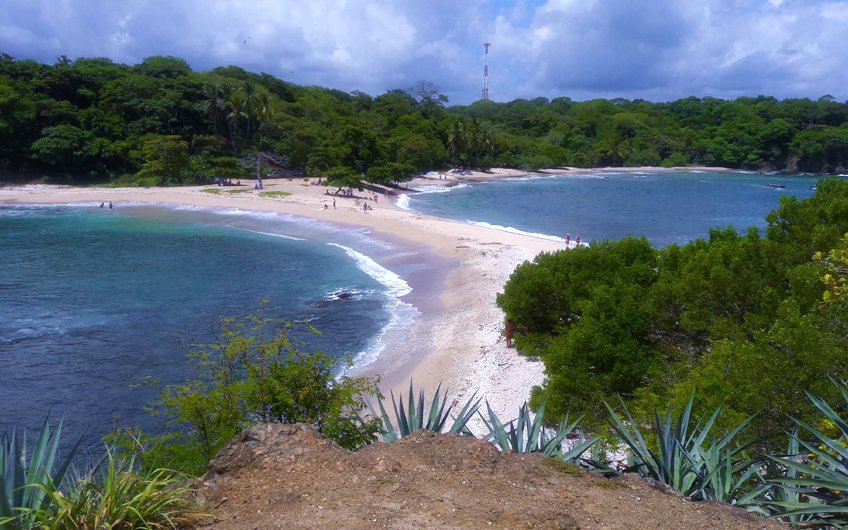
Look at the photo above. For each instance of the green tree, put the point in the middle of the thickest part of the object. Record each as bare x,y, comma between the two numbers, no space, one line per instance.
65,146
166,159
257,373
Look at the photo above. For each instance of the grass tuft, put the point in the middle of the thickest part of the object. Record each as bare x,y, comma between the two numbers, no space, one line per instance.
274,194
561,466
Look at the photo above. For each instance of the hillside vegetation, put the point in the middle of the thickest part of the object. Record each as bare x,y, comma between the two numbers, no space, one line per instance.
159,122
747,321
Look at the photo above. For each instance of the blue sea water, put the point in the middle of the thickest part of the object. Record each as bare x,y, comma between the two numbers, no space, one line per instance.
664,207
95,300
92,301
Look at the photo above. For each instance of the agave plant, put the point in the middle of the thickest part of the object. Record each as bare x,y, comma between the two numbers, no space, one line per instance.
816,486
412,418
24,484
682,461
773,499
526,434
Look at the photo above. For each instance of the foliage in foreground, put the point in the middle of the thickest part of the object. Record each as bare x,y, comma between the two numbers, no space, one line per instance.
685,459
25,482
816,484
257,374
527,434
119,497
412,418
33,494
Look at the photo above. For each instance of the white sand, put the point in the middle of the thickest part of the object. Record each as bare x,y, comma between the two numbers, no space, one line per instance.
460,345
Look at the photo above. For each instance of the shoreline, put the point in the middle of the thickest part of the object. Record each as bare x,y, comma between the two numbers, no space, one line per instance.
456,341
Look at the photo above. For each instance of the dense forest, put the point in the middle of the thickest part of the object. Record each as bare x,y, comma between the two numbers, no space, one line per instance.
746,321
158,122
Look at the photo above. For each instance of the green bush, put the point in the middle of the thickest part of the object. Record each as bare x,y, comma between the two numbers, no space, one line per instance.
257,374
119,497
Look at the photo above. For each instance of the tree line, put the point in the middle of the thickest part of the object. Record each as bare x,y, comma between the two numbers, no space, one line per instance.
158,122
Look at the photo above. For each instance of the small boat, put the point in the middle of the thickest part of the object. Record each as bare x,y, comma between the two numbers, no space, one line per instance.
770,185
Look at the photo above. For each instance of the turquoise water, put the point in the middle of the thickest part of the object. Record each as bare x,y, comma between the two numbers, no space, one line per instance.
92,301
664,207
95,300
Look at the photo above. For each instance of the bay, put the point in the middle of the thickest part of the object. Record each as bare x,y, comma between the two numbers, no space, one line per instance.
94,301
666,207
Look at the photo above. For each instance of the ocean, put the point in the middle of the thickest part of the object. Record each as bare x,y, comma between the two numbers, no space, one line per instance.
93,301
665,207
96,301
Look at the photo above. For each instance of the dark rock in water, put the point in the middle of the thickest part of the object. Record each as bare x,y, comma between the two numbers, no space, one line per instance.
344,295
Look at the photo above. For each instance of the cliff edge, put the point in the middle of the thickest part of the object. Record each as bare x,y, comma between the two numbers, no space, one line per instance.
290,476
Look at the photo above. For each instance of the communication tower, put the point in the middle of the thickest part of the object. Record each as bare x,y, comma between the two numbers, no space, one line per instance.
485,71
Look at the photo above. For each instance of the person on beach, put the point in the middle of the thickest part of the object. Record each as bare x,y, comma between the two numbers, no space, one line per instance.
101,204
110,205
334,203
578,240
509,330
567,240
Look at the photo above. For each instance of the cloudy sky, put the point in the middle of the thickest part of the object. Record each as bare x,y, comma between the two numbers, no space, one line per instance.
658,50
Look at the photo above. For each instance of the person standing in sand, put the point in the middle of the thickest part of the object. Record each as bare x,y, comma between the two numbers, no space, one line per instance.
509,330
578,240
334,203
567,240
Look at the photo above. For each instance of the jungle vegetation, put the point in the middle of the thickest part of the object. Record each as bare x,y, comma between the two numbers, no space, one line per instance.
160,123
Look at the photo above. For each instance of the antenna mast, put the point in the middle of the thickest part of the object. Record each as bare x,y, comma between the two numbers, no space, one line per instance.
485,71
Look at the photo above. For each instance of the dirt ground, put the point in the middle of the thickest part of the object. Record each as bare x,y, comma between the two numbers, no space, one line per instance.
290,476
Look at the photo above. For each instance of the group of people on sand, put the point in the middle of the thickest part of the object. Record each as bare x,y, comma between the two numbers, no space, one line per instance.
568,240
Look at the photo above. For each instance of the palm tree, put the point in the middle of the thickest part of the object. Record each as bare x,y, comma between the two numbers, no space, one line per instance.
215,102
236,106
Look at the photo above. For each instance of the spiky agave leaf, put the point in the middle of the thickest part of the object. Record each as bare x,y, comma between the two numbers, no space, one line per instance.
24,484
682,460
387,431
526,434
646,460
822,478
410,416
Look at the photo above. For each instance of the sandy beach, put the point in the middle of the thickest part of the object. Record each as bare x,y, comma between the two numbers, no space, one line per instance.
458,341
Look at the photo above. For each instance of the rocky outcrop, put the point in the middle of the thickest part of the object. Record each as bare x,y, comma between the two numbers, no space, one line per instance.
290,476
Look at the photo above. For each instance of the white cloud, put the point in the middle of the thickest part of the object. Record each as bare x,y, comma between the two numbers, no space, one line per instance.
658,49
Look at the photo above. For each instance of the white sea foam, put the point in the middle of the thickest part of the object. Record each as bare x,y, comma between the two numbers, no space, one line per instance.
397,285
516,231
403,202
271,234
400,312
528,177
437,188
